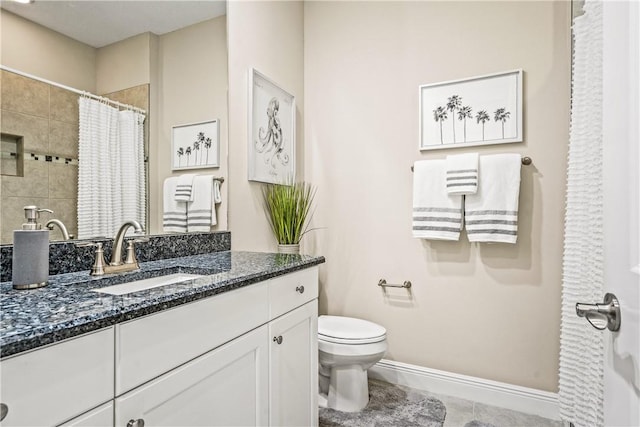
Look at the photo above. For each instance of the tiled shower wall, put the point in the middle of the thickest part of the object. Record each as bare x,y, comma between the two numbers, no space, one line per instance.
47,119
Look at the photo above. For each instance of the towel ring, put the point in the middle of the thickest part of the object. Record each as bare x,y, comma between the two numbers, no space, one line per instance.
526,161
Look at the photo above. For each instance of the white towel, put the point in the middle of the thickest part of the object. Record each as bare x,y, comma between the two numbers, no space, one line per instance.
184,189
491,215
174,217
201,212
462,173
436,214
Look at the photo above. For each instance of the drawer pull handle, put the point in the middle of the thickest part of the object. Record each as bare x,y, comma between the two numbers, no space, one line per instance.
300,289
136,423
278,339
4,410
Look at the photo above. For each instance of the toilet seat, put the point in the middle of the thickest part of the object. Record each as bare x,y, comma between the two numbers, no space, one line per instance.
347,330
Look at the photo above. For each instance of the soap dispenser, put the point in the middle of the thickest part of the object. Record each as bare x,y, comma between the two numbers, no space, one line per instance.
30,266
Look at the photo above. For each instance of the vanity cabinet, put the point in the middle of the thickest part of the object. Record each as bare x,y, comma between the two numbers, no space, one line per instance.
293,368
224,387
260,367
244,357
53,384
102,416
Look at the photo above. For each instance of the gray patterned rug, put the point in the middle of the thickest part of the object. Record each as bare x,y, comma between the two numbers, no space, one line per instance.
389,405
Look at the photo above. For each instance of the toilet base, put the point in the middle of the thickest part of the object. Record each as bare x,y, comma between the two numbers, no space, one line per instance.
348,389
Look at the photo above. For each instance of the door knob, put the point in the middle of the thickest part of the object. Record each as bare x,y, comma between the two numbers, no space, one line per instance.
300,289
136,423
601,316
4,410
278,339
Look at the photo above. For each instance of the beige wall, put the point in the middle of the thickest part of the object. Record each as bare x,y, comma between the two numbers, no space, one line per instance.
490,311
192,81
124,64
52,56
267,36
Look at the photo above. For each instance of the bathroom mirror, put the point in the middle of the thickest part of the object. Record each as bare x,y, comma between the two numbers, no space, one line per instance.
167,57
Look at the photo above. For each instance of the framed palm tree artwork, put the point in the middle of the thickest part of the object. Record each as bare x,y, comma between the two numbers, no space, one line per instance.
195,146
474,111
272,131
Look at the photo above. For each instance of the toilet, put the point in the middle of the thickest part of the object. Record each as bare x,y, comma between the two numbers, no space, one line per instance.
347,347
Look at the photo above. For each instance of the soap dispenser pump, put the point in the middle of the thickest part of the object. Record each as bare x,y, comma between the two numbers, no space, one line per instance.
30,266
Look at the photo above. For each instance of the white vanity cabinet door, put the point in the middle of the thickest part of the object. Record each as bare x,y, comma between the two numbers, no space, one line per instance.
225,387
102,416
48,386
148,347
293,368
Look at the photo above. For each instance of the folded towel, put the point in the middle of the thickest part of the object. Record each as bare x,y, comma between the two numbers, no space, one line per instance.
185,187
174,216
491,215
436,214
462,173
201,213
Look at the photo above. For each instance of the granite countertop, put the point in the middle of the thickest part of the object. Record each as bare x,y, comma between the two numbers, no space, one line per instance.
68,307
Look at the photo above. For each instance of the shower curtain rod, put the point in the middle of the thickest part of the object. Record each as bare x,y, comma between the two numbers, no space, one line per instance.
74,90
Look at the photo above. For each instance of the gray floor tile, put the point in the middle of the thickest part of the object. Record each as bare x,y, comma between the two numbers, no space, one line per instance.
507,418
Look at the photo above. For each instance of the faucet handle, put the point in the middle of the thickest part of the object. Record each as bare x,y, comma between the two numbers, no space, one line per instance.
131,251
98,263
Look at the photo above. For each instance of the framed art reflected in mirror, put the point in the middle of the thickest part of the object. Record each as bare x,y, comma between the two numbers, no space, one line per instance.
195,146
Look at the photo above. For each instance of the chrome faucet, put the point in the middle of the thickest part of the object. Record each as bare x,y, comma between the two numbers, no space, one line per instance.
131,263
63,229
116,254
116,265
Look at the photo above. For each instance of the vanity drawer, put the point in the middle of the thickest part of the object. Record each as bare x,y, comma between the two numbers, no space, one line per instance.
48,386
150,346
292,290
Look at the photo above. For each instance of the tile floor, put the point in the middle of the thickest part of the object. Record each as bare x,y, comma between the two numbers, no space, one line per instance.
461,412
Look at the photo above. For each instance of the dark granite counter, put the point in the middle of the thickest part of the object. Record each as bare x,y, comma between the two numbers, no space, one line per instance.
68,307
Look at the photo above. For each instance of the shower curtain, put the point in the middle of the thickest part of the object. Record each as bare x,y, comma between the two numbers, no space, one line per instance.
111,175
581,346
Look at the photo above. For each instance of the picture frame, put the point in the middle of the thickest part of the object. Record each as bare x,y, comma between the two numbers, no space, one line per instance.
195,145
271,131
481,110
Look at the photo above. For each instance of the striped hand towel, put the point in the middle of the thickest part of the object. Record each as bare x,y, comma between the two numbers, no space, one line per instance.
436,214
174,216
462,173
491,215
184,189
201,213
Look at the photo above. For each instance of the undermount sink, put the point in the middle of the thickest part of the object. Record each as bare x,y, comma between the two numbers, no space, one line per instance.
144,284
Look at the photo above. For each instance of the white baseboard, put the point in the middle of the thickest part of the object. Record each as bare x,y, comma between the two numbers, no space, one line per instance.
494,393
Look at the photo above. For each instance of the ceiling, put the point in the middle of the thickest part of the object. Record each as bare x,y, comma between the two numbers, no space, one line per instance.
100,23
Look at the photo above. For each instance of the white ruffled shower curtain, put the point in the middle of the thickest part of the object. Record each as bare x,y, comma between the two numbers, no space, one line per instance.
581,380
111,174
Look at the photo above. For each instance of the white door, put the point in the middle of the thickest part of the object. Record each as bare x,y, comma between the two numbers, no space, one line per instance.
225,387
621,49
293,368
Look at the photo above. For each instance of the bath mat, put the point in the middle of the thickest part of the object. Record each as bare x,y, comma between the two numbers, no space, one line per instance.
389,405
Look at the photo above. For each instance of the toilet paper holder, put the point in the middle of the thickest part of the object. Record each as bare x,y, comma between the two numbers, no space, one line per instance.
383,283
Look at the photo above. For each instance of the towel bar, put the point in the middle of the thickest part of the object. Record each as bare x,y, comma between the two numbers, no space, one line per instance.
383,283
525,161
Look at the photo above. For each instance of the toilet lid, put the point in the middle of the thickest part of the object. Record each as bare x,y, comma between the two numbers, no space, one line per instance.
347,329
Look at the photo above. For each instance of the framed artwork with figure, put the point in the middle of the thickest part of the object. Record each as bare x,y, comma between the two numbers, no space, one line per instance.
271,132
